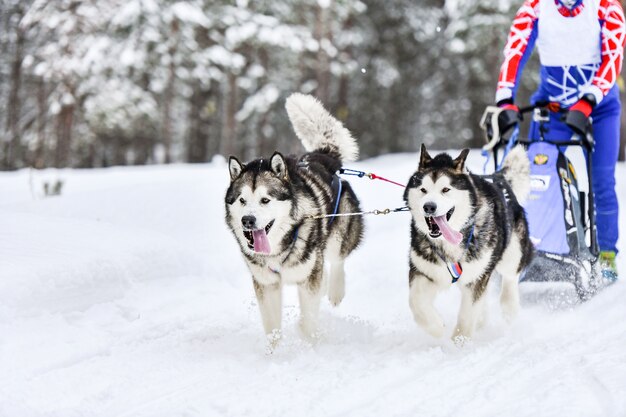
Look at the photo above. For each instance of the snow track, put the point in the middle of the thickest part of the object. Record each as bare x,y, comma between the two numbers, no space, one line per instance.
127,296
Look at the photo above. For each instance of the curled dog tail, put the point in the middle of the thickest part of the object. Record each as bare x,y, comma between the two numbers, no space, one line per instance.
516,171
318,130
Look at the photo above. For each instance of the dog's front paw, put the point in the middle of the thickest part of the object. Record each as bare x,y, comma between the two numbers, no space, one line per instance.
463,333
272,340
509,300
481,321
431,322
436,331
336,286
509,312
510,308
460,340
309,330
436,328
336,294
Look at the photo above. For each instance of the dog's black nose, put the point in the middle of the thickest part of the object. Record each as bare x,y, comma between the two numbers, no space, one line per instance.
430,208
248,222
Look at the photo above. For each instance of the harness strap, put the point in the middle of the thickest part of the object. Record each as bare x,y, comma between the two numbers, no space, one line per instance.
505,193
371,176
336,185
360,213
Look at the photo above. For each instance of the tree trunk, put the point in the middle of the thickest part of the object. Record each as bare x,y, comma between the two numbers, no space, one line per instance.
264,145
168,96
65,121
213,106
92,158
199,126
166,128
42,108
343,111
145,140
143,149
322,35
119,153
13,153
230,123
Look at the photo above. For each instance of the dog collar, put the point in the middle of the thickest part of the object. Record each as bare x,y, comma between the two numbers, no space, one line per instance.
455,268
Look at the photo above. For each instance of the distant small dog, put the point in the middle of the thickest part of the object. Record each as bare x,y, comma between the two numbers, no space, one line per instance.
268,207
463,228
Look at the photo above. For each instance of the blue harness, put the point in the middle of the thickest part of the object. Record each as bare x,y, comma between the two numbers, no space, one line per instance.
336,185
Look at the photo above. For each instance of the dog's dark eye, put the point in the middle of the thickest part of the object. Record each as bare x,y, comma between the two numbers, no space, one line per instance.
265,200
242,201
423,190
445,190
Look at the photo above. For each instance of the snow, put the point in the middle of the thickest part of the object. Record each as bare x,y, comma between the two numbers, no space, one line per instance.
190,13
222,56
127,296
259,102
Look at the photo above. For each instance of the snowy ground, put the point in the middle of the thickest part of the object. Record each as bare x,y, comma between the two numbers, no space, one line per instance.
127,296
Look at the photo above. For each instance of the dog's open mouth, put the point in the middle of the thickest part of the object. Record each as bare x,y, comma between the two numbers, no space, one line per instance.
438,226
433,228
257,239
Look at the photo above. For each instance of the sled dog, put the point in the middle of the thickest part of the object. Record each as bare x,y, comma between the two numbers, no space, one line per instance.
463,228
269,205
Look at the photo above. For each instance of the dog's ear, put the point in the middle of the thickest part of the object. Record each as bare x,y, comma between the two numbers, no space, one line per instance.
459,162
279,166
234,167
424,158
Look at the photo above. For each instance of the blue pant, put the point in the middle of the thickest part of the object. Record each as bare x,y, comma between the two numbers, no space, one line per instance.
606,126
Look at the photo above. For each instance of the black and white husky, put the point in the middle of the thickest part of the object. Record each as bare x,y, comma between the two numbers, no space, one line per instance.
269,208
464,227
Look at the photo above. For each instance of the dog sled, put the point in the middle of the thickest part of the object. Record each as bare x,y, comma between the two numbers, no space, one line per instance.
560,209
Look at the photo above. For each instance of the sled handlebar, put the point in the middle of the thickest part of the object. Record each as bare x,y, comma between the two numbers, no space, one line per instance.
489,123
586,140
569,142
548,105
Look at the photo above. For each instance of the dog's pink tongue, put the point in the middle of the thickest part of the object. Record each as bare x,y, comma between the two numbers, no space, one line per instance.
261,243
450,235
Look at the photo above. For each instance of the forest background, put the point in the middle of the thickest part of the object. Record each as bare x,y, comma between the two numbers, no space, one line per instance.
98,83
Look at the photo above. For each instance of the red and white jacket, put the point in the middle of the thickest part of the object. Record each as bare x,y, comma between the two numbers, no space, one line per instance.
580,50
